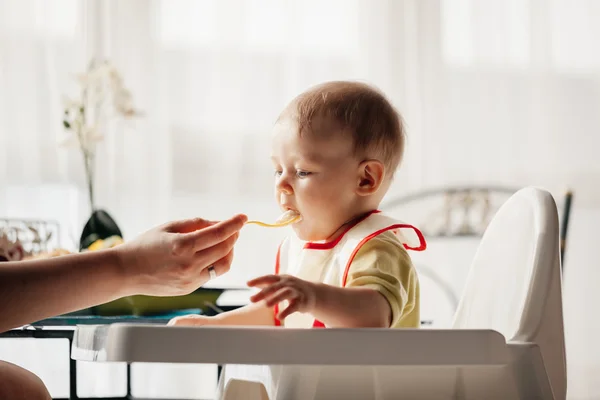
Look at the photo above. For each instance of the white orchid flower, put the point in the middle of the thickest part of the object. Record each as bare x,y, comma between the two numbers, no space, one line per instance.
101,88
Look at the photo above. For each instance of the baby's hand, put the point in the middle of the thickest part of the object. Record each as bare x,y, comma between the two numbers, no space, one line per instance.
301,294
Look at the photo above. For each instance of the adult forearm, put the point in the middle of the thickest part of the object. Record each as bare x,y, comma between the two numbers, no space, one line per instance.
351,307
38,289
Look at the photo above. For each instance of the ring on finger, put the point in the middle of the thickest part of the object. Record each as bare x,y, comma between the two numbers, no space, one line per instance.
211,272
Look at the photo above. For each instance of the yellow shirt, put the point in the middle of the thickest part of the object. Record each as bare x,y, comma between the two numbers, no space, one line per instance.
384,265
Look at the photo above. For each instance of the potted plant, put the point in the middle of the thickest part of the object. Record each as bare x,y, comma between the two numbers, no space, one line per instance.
102,96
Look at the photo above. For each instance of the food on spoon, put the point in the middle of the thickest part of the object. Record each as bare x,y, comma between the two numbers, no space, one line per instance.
287,218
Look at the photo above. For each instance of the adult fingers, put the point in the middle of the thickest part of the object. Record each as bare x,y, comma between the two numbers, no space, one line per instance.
211,256
187,225
220,267
210,236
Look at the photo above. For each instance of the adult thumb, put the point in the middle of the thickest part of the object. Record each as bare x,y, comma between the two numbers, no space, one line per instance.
188,225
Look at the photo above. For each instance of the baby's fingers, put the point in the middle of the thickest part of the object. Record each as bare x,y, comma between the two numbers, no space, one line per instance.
283,294
294,306
264,280
266,292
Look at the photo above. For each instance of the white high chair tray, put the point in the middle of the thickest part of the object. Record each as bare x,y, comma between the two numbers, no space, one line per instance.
277,346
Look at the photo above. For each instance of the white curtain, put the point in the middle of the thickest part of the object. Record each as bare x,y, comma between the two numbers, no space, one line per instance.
502,92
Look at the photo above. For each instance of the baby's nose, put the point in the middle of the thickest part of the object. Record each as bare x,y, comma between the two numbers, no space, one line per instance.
285,190
283,186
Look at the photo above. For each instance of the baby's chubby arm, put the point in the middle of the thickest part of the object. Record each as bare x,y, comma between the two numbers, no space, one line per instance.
352,307
336,307
379,278
252,314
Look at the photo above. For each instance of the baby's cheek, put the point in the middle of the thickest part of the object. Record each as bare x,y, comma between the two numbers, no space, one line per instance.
322,202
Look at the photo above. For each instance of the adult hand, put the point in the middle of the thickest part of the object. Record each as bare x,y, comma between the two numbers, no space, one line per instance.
173,259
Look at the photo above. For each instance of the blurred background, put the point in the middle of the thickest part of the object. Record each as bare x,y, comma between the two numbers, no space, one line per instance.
494,93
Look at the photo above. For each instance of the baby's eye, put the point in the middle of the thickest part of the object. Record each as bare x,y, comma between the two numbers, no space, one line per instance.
302,174
278,173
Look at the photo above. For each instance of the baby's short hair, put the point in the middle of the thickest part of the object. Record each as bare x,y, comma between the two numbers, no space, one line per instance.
377,128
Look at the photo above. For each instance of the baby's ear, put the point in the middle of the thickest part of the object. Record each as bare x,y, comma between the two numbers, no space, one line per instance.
371,174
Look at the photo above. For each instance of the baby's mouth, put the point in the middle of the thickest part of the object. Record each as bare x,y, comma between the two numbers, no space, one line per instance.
289,217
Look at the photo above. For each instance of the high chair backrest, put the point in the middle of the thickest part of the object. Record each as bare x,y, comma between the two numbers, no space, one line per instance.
514,285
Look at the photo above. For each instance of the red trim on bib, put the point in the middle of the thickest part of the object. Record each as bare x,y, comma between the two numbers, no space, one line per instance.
318,324
422,245
333,243
276,320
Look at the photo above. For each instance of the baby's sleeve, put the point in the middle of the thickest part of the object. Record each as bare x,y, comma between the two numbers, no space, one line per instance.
383,264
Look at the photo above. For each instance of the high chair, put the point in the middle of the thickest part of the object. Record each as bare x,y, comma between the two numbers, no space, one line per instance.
507,341
514,287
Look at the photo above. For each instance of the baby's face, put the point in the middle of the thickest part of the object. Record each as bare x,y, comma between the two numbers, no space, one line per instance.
316,174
